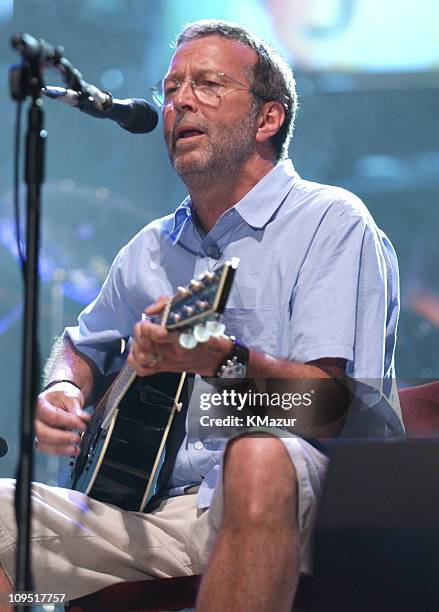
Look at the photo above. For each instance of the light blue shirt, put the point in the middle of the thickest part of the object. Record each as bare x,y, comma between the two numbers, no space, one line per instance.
316,279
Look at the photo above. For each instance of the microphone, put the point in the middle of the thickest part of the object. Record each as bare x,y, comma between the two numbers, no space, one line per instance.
3,447
132,114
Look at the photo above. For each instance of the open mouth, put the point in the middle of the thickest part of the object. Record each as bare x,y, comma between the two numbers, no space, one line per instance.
187,134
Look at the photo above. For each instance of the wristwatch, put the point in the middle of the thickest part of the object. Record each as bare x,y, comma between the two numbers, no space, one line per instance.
236,362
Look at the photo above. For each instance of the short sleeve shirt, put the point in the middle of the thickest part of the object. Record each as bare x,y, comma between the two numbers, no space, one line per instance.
317,278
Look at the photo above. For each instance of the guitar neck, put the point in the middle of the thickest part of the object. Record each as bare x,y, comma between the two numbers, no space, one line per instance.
116,392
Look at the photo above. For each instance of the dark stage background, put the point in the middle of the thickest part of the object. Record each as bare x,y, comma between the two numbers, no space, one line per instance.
368,83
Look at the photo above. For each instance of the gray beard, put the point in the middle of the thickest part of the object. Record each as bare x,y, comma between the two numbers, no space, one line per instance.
222,160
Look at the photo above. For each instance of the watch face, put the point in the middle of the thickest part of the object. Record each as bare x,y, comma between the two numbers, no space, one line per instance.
240,370
237,370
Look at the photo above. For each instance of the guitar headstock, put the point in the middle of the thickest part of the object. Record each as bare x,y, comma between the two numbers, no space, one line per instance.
200,303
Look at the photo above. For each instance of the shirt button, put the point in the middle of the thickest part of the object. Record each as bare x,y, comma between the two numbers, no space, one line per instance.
209,250
198,445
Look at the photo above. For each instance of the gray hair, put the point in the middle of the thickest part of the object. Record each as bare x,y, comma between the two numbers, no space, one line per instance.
271,76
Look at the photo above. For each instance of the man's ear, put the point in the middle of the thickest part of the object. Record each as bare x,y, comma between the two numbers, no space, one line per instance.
271,118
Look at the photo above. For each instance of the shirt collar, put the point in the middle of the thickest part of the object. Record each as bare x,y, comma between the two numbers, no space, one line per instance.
262,201
181,216
256,207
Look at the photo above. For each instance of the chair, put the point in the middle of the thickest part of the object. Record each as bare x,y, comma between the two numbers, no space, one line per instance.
142,596
161,594
420,411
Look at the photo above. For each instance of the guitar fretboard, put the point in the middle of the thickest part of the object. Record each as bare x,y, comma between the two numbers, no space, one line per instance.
116,393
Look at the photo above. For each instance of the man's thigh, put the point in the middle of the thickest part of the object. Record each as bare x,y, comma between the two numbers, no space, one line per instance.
80,545
310,466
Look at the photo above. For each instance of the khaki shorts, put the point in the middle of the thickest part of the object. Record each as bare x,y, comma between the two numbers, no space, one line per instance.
80,545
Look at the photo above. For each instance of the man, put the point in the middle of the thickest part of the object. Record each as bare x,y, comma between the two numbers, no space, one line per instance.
315,298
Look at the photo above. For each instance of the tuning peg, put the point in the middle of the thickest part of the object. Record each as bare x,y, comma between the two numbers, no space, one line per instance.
188,310
201,304
207,277
175,317
183,292
187,341
215,328
201,333
196,285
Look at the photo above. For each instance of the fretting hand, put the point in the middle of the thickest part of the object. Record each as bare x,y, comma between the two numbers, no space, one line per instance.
155,349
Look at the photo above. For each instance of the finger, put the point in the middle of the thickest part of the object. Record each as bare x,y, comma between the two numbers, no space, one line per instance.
60,450
141,337
59,417
158,305
145,331
174,338
147,359
163,355
76,410
55,437
142,370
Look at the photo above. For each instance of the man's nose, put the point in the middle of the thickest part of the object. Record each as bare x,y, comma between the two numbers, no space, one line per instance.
185,97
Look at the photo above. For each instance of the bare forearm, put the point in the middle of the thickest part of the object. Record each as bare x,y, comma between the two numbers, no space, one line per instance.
262,365
322,382
66,363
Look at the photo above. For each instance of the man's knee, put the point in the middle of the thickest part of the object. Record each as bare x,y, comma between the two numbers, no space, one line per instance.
260,480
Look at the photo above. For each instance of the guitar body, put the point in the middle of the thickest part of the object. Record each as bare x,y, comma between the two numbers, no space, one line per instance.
117,462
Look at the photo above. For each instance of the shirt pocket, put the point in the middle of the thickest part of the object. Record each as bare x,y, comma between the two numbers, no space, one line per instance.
256,327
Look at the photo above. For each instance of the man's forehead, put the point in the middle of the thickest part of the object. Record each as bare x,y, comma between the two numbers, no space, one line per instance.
212,52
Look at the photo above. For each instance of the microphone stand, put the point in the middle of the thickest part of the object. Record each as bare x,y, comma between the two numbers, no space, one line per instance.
26,80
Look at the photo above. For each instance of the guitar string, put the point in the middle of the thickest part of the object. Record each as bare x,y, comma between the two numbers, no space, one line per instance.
99,409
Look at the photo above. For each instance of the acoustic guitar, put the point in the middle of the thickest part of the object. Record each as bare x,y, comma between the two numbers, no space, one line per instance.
124,446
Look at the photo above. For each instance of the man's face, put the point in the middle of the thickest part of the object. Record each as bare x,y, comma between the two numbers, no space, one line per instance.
223,134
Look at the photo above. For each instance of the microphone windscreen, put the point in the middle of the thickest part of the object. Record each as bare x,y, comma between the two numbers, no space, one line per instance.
3,447
143,118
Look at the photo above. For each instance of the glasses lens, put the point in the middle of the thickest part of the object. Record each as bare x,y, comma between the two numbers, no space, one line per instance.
207,88
157,94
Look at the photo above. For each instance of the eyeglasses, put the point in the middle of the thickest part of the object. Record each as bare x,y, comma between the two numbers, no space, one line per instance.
208,87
